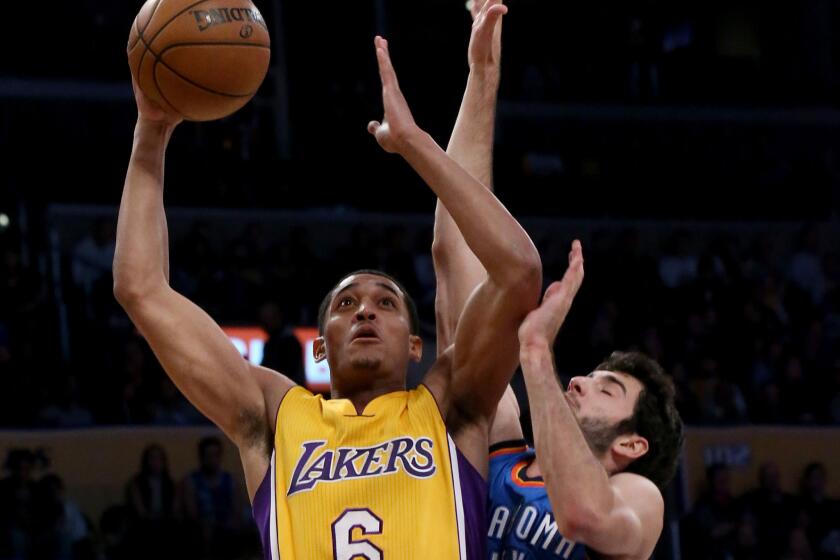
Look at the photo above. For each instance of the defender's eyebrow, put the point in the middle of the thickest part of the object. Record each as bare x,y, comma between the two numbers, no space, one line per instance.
611,379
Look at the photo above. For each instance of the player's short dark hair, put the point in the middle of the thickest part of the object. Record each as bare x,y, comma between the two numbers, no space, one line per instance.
655,416
409,301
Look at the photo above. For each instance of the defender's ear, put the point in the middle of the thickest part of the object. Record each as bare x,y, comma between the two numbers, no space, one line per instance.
628,448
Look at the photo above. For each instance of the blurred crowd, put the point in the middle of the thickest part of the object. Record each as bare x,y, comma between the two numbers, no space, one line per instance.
764,522
748,323
201,516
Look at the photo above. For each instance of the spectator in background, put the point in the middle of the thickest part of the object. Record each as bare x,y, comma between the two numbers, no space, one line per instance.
282,351
60,530
92,260
66,411
210,504
797,393
150,497
137,393
773,508
798,546
678,264
114,528
711,527
833,394
172,409
805,269
822,514
17,504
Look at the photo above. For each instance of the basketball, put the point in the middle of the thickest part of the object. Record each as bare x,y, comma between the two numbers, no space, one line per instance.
200,59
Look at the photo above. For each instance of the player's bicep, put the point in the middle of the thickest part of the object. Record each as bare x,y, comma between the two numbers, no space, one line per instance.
203,363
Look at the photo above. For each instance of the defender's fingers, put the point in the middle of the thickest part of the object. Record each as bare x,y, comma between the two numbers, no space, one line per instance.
373,126
487,25
383,58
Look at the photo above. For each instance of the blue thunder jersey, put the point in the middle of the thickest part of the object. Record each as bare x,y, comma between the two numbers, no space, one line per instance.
521,524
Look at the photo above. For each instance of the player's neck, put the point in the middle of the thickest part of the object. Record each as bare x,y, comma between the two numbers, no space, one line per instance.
360,396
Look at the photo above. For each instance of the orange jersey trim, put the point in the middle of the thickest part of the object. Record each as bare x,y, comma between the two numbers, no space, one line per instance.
516,478
508,451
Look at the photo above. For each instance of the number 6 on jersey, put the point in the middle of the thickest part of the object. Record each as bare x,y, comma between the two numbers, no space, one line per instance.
344,547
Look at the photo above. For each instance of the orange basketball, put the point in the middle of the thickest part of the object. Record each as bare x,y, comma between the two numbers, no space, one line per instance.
202,59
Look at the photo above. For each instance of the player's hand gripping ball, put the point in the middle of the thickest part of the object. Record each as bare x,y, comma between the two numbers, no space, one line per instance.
202,60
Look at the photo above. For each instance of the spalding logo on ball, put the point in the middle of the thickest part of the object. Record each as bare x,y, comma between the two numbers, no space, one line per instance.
200,59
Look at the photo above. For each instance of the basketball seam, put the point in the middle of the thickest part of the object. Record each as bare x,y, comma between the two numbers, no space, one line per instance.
222,43
205,88
162,27
137,25
170,20
158,60
160,90
154,76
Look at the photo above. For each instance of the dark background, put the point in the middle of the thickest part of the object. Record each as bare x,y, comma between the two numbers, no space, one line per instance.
693,146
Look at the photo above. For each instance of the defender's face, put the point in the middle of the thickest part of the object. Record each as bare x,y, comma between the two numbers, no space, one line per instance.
606,397
368,326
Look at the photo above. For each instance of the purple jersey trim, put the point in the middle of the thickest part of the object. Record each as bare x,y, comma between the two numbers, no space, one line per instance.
474,499
262,512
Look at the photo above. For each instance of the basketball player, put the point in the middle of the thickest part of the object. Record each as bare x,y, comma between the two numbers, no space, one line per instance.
605,447
376,470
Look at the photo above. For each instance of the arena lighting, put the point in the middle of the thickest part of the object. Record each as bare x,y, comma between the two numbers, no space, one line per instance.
4,221
250,341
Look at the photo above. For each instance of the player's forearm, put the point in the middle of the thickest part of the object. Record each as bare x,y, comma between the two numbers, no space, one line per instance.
577,484
494,236
141,257
457,270
471,143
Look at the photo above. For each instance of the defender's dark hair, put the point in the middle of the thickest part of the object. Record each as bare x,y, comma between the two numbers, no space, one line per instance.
655,416
409,302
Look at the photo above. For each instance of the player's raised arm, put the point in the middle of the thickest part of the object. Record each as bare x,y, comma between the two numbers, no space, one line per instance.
193,350
485,350
617,516
458,272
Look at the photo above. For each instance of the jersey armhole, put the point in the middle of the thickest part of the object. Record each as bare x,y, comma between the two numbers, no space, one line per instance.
282,402
508,448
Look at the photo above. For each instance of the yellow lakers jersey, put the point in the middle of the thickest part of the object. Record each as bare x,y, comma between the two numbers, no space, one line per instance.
387,483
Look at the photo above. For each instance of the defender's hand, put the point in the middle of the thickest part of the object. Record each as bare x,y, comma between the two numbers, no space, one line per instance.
147,109
542,324
397,126
486,40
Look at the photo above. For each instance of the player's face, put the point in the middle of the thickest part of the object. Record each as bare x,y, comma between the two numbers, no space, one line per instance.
601,400
368,326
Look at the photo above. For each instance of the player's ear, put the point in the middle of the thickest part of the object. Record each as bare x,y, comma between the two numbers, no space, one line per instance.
629,447
415,348
319,349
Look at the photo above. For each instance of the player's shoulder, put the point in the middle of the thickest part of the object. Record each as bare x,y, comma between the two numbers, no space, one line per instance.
634,484
640,494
